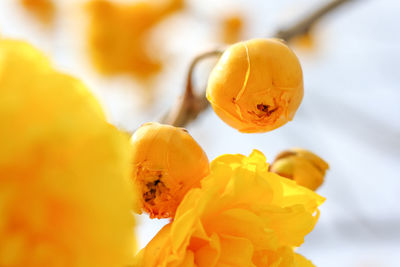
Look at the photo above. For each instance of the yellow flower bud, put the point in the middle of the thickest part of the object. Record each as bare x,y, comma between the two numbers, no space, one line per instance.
232,28
167,163
256,86
302,166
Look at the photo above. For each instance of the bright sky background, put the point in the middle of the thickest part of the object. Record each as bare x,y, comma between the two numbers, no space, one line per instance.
350,114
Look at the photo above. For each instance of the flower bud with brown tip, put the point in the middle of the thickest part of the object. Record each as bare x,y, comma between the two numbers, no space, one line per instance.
167,162
256,86
302,166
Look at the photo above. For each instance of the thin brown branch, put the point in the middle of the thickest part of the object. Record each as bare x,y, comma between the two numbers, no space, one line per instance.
304,25
190,105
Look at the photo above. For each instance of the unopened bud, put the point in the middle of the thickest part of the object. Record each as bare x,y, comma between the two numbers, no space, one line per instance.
302,166
167,162
256,86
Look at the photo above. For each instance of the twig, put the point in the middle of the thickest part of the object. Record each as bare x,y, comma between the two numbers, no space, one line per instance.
304,25
190,105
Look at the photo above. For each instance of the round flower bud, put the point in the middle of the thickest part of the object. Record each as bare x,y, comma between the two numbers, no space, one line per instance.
256,86
302,166
167,162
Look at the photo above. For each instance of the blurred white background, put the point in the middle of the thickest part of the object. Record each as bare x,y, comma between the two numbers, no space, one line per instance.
350,114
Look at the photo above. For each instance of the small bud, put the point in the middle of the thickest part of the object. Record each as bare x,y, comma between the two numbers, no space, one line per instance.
167,163
302,166
256,86
232,28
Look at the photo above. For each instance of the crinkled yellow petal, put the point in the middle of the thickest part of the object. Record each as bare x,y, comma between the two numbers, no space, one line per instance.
301,261
282,257
209,254
238,221
236,251
290,224
156,248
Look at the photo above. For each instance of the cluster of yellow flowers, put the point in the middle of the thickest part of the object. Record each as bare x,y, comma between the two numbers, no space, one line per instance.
237,211
70,181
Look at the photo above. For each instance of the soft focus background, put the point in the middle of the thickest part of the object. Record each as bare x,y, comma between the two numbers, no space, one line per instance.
350,114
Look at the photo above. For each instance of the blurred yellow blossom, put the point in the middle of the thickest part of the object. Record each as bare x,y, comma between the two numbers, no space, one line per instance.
308,40
243,215
302,166
305,41
65,190
232,28
43,9
118,35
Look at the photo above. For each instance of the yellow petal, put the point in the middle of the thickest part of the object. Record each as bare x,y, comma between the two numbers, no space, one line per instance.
236,251
209,254
301,261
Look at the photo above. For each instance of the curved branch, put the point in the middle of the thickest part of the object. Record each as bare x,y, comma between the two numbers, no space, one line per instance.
304,25
191,104
197,59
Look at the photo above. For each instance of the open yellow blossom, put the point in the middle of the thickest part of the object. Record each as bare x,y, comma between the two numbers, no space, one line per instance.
43,9
302,166
243,215
256,86
65,189
167,163
118,35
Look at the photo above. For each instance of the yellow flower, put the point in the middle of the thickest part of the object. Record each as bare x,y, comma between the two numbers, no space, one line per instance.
43,9
167,162
304,41
232,28
302,166
65,189
256,86
243,215
119,43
